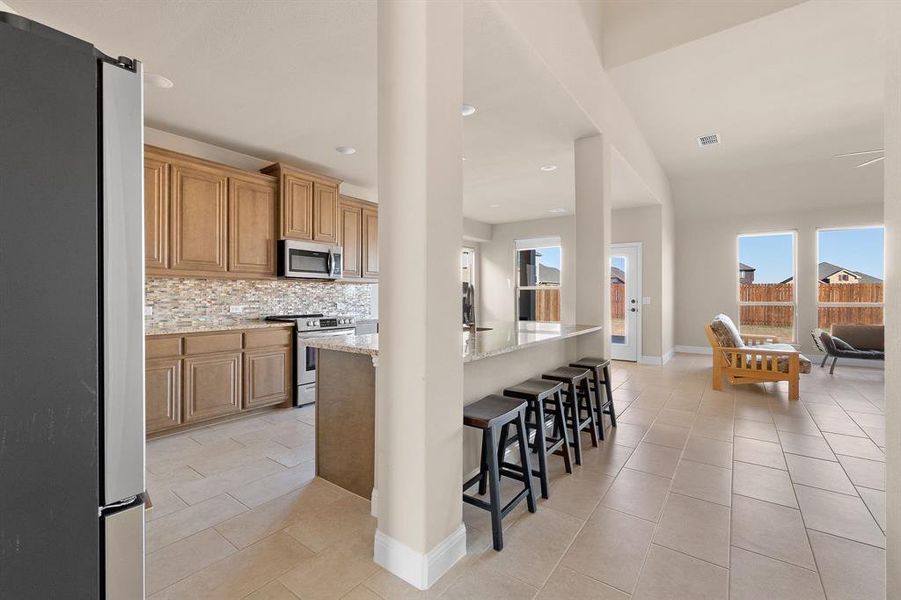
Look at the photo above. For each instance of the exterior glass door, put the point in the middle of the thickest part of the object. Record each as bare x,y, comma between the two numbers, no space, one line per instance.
625,301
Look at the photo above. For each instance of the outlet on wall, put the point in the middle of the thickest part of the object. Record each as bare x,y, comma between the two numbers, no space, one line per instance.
236,309
148,310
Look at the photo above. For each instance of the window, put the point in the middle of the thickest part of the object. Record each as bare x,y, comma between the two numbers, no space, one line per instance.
766,285
538,280
850,269
468,277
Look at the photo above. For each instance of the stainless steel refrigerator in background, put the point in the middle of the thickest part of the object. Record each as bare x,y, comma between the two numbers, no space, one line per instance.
71,318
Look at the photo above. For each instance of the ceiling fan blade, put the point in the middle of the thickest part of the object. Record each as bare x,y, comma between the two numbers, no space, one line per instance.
857,153
870,162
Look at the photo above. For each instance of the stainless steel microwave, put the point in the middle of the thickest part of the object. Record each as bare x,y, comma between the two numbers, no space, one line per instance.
309,260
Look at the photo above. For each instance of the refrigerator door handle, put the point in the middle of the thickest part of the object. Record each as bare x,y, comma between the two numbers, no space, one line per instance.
122,210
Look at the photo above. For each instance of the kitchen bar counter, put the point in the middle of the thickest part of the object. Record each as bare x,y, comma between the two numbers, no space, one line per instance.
500,338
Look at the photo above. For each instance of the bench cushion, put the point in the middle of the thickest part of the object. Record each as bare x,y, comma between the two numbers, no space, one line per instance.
782,362
726,332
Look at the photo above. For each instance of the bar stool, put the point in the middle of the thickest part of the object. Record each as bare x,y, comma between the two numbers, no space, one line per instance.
578,400
494,415
599,366
536,392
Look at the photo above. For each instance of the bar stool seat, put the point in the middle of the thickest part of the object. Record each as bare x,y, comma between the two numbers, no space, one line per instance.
543,394
600,371
494,415
577,398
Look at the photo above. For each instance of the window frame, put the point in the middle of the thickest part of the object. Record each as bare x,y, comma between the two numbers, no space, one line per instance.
534,244
817,260
794,278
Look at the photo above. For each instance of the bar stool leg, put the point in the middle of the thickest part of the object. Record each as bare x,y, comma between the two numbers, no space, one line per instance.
609,391
483,468
586,394
564,433
598,402
541,448
494,488
573,407
524,458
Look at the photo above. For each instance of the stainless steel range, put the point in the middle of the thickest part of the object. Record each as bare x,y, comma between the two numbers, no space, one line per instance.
308,327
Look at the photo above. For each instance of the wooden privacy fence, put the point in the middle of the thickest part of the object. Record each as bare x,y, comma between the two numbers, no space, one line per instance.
617,300
547,303
782,316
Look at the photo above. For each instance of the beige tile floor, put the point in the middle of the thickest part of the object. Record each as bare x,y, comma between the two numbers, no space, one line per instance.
697,494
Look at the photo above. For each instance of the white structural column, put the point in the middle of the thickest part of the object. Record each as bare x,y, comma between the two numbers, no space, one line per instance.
419,392
592,158
892,138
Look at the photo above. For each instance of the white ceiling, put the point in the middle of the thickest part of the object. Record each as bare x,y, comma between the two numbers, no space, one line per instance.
794,86
290,81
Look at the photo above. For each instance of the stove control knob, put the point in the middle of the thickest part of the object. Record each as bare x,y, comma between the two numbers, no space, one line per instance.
309,323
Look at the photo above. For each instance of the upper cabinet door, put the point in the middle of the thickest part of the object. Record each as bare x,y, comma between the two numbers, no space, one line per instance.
350,226
252,225
370,242
199,220
296,207
325,213
156,214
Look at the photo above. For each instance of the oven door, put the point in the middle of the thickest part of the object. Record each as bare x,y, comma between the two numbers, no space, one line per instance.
306,260
307,355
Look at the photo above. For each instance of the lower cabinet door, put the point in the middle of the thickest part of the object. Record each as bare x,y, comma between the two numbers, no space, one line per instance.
267,377
162,393
212,386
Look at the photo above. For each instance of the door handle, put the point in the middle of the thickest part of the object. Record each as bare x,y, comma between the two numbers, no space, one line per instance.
633,310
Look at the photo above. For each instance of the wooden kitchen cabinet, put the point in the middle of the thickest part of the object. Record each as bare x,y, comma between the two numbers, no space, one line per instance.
267,377
212,386
198,377
358,224
156,213
308,204
162,394
370,242
325,213
199,218
252,224
350,227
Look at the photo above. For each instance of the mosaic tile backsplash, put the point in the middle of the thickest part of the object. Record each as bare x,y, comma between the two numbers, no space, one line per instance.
183,301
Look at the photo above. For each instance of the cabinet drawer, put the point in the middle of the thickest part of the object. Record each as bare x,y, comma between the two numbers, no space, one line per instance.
206,344
267,337
162,347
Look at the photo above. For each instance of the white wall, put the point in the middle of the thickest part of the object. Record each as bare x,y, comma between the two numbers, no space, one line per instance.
645,224
707,263
498,269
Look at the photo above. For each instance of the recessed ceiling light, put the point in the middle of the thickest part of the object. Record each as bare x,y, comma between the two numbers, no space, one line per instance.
494,206
549,168
158,81
557,211
464,158
346,150
467,110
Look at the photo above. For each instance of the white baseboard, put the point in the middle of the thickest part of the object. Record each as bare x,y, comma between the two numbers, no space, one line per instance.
418,569
374,503
668,356
650,360
694,349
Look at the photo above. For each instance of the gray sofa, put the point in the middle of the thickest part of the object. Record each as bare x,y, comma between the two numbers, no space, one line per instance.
865,342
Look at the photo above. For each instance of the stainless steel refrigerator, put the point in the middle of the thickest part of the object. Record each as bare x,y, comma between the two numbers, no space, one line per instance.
71,318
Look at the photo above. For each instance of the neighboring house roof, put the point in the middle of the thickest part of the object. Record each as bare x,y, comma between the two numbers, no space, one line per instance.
617,275
743,267
827,269
548,275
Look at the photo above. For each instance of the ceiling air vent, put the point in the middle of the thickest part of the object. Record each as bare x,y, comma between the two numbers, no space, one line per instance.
709,140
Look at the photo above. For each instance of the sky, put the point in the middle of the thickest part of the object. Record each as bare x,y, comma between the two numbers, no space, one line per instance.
854,249
550,257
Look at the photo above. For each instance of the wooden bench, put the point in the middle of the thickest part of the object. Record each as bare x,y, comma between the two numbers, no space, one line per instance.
754,359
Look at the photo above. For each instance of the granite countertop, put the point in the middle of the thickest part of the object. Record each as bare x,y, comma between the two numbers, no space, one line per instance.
193,327
503,337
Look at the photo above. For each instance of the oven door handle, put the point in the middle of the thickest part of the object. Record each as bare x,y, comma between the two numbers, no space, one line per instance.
319,334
